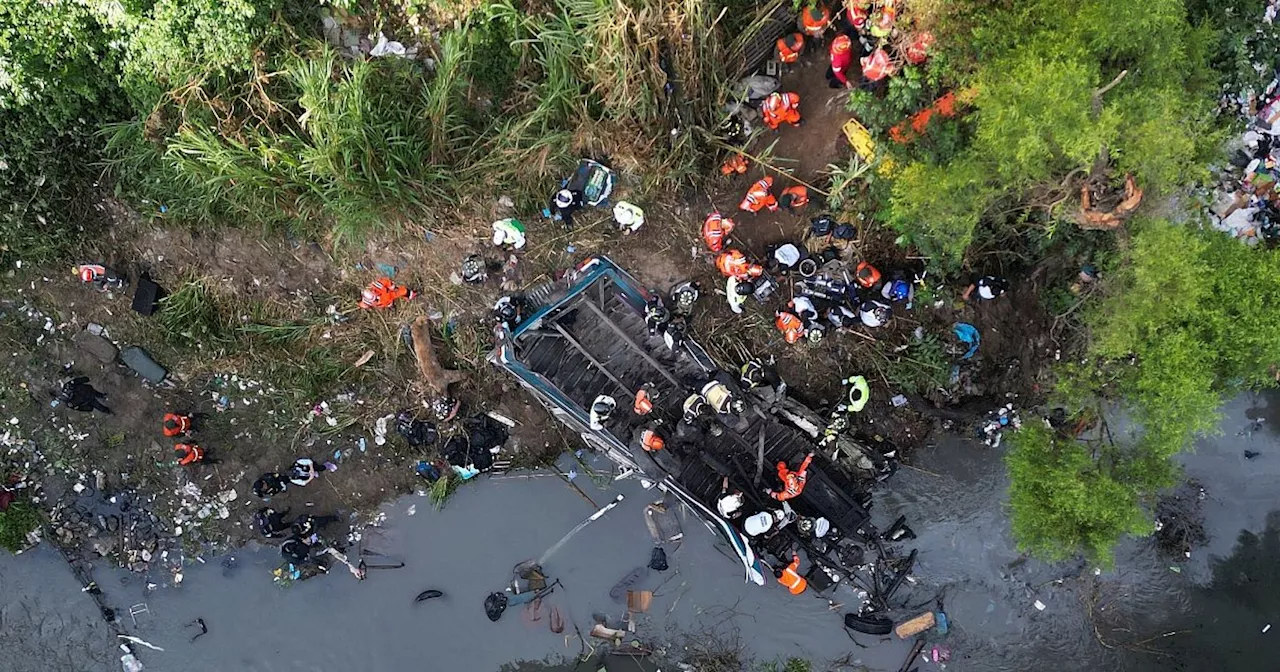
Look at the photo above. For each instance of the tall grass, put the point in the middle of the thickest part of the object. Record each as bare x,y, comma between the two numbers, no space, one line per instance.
316,142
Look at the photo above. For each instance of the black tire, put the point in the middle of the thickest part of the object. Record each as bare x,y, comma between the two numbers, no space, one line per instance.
868,625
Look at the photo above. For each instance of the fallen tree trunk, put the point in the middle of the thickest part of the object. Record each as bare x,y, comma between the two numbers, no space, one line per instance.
437,378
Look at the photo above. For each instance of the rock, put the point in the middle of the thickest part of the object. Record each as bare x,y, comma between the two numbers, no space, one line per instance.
104,547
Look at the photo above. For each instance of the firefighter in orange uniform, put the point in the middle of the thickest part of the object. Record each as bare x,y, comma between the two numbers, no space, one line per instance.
791,327
815,20
790,47
734,164
795,197
381,293
759,197
175,424
734,264
716,230
188,453
781,108
792,481
791,578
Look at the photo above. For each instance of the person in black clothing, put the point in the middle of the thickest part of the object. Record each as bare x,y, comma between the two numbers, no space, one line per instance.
307,525
271,523
272,483
79,395
295,550
563,205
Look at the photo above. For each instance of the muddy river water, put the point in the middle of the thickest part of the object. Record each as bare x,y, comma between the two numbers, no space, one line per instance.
1216,603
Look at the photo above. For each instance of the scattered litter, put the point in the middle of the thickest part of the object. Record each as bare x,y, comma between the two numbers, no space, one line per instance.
1265,628
413,509
1039,605
914,626
898,401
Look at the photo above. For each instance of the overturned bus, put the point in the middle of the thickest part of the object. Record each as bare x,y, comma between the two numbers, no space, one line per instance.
584,336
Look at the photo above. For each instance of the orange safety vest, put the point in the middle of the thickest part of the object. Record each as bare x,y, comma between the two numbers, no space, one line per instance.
188,453
866,275
790,47
792,481
651,441
382,293
735,164
877,66
716,230
799,197
815,20
791,578
791,327
175,425
859,12
758,197
733,264
644,404
781,107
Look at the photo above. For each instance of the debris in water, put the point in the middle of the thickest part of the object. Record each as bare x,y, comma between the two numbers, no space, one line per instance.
413,508
1265,628
1040,605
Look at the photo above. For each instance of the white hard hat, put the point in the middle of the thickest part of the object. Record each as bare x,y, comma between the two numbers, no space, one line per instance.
821,527
564,198
758,524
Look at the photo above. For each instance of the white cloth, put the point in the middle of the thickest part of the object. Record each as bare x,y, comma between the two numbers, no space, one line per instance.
870,318
787,255
729,504
731,293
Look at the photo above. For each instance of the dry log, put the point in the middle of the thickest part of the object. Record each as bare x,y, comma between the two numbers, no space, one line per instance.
437,378
1091,219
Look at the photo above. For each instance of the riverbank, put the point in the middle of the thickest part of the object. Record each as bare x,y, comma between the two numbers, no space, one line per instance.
468,549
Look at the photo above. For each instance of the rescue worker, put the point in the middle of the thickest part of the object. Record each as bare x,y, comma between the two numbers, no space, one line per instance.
841,63
883,24
508,233
784,258
794,197
271,523
734,164
295,550
841,317
188,454
866,275
628,216
645,397
304,471
102,278
651,441
781,108
757,524
791,327
381,293
308,526
877,66
792,481
898,289
736,292
756,373
694,407
715,231
601,409
815,20
729,504
857,13
734,264
874,314
176,424
803,308
759,197
790,47
720,399
684,296
790,577
508,311
270,484
656,315
563,206
79,395
857,394
988,286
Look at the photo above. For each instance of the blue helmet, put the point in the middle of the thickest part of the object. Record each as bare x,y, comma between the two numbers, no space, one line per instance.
900,290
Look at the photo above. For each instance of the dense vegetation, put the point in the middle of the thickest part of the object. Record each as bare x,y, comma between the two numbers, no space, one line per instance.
241,112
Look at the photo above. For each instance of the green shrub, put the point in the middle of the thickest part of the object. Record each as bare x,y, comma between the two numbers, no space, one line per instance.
16,522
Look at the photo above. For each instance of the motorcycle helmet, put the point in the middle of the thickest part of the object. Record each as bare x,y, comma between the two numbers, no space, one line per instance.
564,198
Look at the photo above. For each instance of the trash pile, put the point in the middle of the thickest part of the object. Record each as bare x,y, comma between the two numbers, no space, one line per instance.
1244,200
